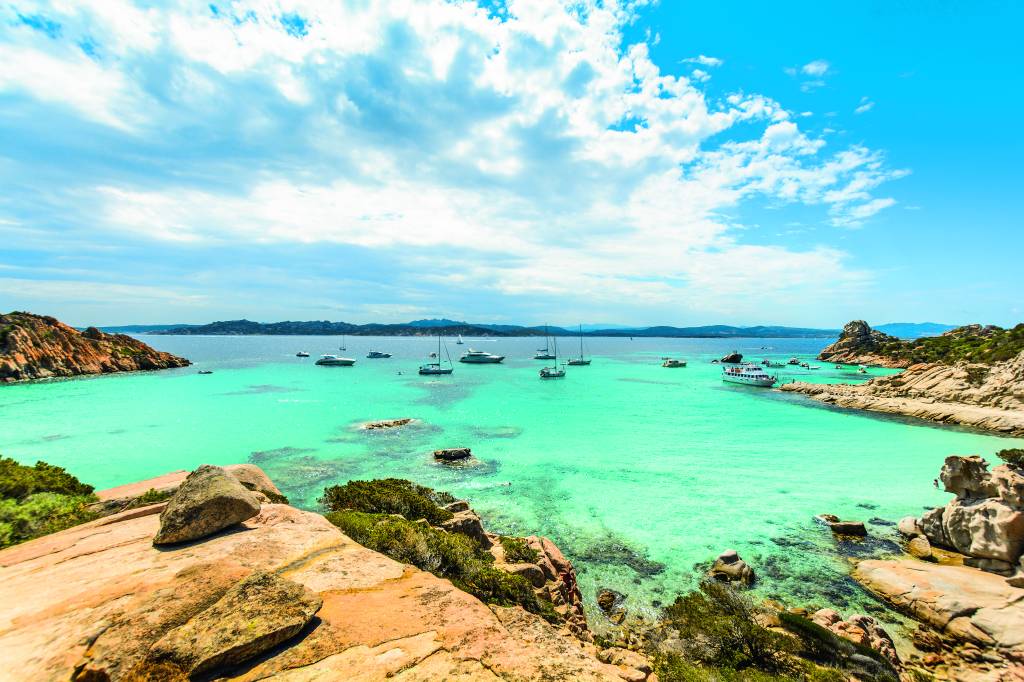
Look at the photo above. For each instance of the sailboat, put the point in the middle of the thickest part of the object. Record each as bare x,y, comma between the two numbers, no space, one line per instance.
460,341
545,352
432,368
553,372
342,346
576,362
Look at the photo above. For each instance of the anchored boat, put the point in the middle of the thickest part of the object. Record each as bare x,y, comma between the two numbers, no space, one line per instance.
673,362
581,360
480,357
374,354
748,373
545,352
433,368
335,361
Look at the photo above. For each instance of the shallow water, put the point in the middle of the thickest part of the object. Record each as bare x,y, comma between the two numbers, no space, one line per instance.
636,471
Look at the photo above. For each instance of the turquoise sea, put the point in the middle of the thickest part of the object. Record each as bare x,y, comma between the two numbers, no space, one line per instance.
639,473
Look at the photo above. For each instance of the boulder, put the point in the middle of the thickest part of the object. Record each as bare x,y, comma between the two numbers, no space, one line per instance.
861,629
1008,483
733,358
529,571
933,527
457,506
253,479
452,454
986,529
208,501
909,527
967,477
920,547
729,567
608,599
851,528
468,523
254,616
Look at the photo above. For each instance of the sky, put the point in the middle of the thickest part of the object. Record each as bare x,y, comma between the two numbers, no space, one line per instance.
528,161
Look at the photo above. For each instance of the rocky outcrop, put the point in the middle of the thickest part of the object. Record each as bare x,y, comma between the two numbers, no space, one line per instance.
840,527
982,396
467,522
732,358
863,630
386,424
40,347
112,602
452,454
985,522
729,567
859,344
208,500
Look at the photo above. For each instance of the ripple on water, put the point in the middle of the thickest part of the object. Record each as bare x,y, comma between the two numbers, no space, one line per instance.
495,432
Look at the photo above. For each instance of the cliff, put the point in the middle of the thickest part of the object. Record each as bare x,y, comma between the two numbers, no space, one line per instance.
859,344
284,594
39,347
984,396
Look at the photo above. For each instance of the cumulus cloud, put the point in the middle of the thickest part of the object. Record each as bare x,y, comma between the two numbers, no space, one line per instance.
528,153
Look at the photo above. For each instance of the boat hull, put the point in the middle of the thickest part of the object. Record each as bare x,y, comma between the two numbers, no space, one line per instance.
335,363
431,371
578,363
544,356
482,361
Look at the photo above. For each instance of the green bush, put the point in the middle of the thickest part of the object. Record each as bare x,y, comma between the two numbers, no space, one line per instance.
18,481
517,551
675,668
1012,456
448,555
41,514
389,496
984,346
718,629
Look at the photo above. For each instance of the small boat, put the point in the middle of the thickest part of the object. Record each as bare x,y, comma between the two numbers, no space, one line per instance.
205,371
805,365
480,357
839,366
375,354
768,363
748,373
545,352
581,361
342,346
673,362
335,361
302,354
793,361
814,367
435,368
862,369
460,341
553,372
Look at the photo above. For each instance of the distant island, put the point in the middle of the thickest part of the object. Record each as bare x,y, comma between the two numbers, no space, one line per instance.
454,328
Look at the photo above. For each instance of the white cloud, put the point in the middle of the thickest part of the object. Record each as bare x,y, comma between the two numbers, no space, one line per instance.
542,154
819,67
864,106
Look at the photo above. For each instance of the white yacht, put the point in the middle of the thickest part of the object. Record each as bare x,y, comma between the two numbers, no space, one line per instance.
480,357
749,373
374,354
335,361
302,354
673,362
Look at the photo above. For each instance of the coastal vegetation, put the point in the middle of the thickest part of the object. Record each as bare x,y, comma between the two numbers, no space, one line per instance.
518,551
39,500
973,343
1012,456
389,496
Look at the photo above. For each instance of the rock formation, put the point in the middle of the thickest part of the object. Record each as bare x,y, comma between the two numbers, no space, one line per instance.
732,358
859,344
115,608
40,347
839,527
982,396
208,500
729,567
860,629
452,454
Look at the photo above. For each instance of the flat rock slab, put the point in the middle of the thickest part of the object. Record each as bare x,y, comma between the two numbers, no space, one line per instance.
209,500
964,603
255,615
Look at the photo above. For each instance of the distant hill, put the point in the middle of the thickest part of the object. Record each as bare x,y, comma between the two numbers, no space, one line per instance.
446,327
914,330
141,328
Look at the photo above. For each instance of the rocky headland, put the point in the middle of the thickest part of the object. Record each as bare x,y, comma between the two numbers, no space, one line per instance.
986,394
41,347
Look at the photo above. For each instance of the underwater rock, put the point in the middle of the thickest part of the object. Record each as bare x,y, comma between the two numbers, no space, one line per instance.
209,500
385,424
608,599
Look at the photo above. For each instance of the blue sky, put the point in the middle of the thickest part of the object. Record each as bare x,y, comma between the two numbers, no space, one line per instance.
661,163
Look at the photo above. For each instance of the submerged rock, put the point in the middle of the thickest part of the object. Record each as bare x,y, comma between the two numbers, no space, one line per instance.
254,616
452,454
386,424
209,500
608,599
729,567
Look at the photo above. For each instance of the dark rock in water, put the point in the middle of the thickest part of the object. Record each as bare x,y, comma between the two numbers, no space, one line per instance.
608,599
851,528
729,567
733,358
876,521
614,551
867,505
209,500
452,454
386,424
255,615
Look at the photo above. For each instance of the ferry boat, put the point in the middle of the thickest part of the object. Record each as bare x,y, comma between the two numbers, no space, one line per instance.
335,361
302,354
673,362
374,354
748,373
480,357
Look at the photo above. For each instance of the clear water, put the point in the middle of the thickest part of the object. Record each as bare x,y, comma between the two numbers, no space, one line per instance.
638,472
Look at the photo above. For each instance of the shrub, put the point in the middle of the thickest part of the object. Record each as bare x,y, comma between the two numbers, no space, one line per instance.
151,496
448,555
517,551
41,514
18,481
389,496
1012,456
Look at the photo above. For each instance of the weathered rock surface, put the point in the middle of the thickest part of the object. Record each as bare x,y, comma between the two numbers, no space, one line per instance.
41,347
960,602
840,527
257,614
102,596
468,523
858,628
859,344
208,500
733,358
729,567
987,397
